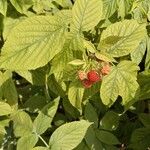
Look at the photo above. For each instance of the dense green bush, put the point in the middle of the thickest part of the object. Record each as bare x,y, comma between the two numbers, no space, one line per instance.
74,74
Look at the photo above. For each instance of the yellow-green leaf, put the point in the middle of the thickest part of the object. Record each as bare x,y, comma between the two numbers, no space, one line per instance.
3,7
33,43
86,14
121,38
5,109
69,135
122,81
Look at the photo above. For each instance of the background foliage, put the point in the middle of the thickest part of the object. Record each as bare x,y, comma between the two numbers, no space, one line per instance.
43,44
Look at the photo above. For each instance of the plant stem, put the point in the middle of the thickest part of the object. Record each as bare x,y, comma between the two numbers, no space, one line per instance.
43,141
46,89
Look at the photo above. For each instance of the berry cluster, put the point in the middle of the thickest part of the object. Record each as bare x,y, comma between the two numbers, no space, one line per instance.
93,76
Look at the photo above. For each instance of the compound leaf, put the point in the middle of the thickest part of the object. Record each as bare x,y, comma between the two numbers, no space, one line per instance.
121,81
33,43
121,38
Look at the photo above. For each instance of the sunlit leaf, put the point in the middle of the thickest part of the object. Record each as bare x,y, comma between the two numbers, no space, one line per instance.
69,135
122,81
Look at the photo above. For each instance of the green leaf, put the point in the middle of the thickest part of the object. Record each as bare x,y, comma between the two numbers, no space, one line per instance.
70,109
77,62
107,137
35,103
145,119
36,77
124,7
82,146
3,124
3,7
140,134
27,142
69,135
148,15
40,148
56,86
121,38
26,75
60,119
110,121
22,124
90,114
147,60
42,6
140,10
4,77
10,22
141,138
110,147
45,117
104,57
10,93
91,139
5,109
109,8
138,53
65,56
8,89
34,38
86,14
64,3
21,5
90,47
91,91
144,82
121,81
73,43
75,94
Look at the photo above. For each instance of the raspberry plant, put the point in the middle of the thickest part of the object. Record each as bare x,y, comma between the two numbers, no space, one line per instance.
74,74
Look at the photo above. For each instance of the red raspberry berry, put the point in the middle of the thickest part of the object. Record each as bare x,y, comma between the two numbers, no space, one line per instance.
87,83
106,69
93,76
82,75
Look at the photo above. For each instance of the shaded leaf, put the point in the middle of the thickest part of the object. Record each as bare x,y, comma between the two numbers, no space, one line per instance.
110,121
45,117
147,61
90,114
107,137
35,103
145,119
92,141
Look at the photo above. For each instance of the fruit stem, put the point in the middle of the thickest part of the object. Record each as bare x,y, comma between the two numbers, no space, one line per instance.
43,141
